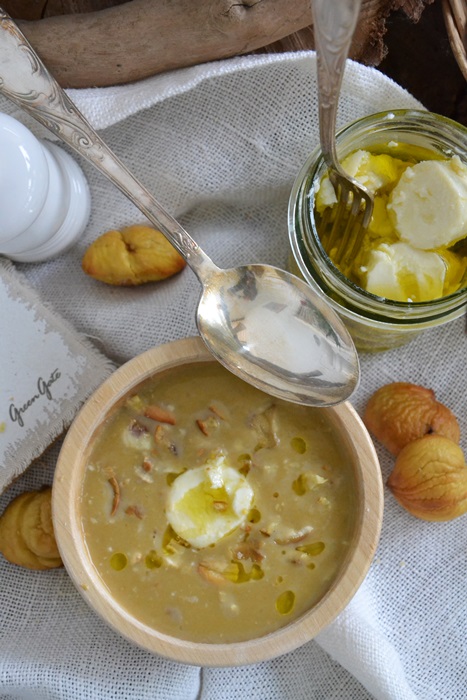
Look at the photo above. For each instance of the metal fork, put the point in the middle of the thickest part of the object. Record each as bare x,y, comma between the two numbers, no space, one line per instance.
342,227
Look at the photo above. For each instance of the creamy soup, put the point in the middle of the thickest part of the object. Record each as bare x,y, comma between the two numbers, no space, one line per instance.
213,512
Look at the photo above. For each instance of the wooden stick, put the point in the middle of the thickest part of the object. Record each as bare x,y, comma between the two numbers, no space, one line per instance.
134,40
144,37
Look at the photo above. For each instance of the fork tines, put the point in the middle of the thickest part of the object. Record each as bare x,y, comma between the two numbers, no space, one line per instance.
342,227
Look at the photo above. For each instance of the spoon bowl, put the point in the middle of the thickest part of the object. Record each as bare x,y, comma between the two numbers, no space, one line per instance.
269,328
263,324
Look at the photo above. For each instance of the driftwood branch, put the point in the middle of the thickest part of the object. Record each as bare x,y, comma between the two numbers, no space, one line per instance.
133,40
140,38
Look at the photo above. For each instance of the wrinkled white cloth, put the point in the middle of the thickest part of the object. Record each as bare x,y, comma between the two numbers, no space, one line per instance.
219,145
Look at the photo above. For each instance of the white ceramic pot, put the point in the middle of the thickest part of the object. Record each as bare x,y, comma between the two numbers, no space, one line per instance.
44,196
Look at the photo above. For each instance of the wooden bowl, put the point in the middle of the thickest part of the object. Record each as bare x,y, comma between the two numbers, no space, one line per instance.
66,516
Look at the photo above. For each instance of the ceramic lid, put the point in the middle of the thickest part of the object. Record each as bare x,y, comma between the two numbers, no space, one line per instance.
23,178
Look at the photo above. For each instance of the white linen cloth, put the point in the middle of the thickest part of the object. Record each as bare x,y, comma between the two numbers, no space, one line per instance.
220,145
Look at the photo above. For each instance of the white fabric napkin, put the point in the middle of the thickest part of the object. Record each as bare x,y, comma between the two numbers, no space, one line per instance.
220,145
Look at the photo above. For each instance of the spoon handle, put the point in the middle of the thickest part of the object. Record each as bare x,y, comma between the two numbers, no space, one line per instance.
26,81
334,23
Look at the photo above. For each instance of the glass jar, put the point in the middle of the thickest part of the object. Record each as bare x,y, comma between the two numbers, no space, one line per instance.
375,323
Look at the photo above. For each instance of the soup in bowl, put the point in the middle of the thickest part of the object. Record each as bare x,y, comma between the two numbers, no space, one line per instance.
208,521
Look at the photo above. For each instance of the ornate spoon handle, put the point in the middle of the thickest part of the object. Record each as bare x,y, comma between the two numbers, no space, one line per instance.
334,23
26,81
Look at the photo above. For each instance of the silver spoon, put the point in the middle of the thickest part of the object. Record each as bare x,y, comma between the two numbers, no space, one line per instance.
263,324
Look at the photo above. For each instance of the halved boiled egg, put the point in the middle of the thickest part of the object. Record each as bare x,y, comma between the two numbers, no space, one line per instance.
206,503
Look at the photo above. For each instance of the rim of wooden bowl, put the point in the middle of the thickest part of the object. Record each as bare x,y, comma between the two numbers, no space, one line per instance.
66,497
